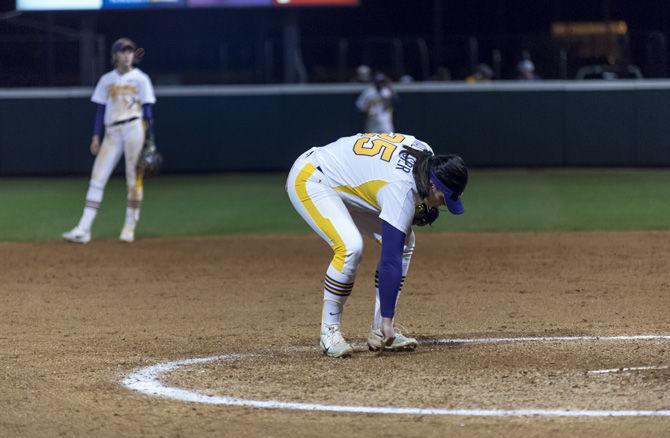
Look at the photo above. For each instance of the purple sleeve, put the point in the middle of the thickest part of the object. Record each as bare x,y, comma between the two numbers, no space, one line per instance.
148,116
99,120
390,268
147,111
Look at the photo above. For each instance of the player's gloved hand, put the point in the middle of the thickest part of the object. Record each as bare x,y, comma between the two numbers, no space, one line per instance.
95,145
388,332
150,160
424,215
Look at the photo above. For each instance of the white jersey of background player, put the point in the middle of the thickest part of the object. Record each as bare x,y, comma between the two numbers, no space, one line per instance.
124,98
376,102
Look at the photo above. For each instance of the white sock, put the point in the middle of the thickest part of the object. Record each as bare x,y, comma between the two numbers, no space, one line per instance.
332,310
336,289
87,218
93,199
132,215
377,319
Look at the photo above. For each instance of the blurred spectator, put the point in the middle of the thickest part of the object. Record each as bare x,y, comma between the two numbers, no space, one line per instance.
483,73
442,74
526,71
363,74
609,72
377,102
406,79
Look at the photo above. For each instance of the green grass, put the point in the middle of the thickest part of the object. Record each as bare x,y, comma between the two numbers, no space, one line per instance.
500,200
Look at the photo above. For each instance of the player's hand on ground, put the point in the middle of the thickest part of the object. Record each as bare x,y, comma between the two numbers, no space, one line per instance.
95,145
387,331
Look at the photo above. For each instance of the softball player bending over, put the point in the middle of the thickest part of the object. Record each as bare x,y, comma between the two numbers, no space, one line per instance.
124,99
373,184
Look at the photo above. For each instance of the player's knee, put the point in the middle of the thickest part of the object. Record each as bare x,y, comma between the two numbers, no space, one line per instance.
95,190
97,176
96,183
347,256
354,251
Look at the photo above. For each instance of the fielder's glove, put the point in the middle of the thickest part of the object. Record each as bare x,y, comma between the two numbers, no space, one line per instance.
424,215
150,159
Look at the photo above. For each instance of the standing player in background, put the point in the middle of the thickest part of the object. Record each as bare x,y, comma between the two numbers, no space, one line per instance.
124,99
379,185
376,102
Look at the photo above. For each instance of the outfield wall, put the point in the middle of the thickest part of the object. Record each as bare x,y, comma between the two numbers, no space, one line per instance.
231,128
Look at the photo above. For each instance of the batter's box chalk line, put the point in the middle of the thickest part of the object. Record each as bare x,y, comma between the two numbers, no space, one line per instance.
147,381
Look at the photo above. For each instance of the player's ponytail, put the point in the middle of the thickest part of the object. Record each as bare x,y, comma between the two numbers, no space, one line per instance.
420,170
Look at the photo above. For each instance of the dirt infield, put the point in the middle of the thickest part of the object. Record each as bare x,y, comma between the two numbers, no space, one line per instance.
75,320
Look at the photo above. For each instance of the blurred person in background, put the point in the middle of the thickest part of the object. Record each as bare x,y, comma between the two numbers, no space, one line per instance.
377,102
363,74
482,73
442,74
525,69
124,99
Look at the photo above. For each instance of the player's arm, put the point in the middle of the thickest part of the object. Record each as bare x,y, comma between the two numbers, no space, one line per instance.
390,275
364,102
388,96
148,98
395,99
148,118
99,97
98,128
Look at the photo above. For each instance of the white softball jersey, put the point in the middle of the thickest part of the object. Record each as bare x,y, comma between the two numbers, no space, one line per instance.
123,94
343,189
373,174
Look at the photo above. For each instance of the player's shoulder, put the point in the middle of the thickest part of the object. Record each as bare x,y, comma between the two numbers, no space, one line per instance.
422,146
369,91
417,144
109,76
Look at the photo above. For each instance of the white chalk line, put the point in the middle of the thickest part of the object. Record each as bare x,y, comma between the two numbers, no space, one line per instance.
628,369
146,381
547,339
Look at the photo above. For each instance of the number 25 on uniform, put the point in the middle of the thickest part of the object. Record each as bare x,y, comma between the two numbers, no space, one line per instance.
384,144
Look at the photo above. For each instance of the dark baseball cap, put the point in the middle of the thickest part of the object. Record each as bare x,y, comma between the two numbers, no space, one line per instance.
122,44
